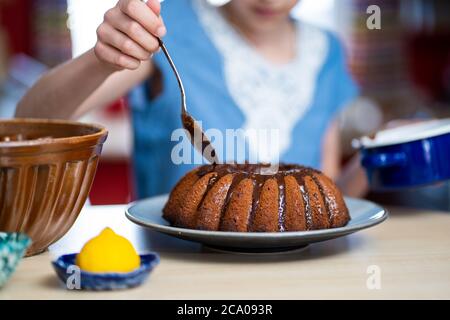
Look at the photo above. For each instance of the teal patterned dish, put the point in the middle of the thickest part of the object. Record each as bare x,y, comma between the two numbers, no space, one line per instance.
12,249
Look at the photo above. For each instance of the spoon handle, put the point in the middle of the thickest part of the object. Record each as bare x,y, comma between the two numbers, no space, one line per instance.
177,75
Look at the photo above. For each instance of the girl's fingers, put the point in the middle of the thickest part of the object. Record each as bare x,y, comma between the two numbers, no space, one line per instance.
132,29
107,34
128,34
155,6
140,12
108,54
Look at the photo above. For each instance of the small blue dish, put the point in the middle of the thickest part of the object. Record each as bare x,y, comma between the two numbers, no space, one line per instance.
12,249
67,271
409,156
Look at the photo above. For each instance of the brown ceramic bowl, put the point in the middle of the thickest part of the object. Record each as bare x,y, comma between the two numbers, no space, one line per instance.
46,172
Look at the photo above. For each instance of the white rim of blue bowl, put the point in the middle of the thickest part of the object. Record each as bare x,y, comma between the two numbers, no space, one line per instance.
407,133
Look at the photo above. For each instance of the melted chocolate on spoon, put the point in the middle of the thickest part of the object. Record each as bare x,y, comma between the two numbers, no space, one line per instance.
195,131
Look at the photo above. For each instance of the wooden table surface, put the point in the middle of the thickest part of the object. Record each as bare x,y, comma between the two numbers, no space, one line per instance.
410,252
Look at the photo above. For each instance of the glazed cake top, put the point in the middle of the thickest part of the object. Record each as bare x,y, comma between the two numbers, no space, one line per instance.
253,170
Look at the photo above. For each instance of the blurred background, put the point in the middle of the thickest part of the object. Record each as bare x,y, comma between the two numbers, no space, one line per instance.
403,70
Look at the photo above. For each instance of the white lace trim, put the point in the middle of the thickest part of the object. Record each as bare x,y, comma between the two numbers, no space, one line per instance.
259,87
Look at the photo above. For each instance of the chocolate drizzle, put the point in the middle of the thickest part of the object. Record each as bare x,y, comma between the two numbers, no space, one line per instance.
195,131
281,202
237,178
325,200
305,196
318,206
210,184
257,186
252,171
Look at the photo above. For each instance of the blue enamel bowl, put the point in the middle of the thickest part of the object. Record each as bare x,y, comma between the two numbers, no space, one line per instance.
409,156
74,278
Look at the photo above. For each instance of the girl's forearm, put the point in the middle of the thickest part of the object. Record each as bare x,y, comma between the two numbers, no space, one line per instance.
353,180
60,92
126,40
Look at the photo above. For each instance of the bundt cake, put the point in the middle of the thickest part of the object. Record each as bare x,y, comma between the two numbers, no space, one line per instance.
239,198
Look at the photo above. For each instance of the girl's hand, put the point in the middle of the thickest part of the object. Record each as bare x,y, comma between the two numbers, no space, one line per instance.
128,34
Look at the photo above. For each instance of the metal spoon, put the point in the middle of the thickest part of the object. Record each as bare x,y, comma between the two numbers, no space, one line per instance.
189,123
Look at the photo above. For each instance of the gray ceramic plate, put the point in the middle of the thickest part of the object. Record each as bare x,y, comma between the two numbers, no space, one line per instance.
148,213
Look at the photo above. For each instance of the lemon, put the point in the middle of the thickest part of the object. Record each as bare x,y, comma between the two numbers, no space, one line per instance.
108,252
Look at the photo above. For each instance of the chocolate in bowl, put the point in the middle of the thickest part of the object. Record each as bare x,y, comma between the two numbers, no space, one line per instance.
46,172
21,137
